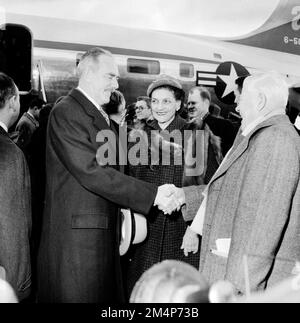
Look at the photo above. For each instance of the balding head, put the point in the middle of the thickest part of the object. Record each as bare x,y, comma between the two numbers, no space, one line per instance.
98,74
90,59
262,95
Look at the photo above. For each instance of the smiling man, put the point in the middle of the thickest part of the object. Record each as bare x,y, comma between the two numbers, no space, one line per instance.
79,254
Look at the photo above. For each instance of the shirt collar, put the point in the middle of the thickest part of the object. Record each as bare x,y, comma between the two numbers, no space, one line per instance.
31,114
99,108
259,120
4,126
165,125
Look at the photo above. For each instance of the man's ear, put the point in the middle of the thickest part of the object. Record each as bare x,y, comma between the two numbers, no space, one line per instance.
206,104
262,100
12,103
178,105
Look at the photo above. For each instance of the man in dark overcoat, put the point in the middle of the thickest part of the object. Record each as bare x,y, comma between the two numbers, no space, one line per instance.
79,253
28,123
199,101
15,209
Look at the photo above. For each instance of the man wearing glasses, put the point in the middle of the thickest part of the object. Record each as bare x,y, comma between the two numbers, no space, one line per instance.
143,109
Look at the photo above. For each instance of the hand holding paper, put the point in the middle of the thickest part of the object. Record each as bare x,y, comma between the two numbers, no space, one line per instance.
223,246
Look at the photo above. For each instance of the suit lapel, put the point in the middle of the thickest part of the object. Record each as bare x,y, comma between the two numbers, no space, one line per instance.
98,119
113,127
3,132
119,146
31,119
241,144
233,155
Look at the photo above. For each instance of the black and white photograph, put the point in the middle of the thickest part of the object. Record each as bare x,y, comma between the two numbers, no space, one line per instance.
149,154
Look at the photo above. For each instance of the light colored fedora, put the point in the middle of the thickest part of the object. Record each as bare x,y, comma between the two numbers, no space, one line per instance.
133,229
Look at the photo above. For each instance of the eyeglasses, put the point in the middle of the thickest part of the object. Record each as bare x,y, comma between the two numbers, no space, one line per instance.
140,107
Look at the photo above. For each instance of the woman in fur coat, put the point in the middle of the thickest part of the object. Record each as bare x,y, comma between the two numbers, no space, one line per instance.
170,159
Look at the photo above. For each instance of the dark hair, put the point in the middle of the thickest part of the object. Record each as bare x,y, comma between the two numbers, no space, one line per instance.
240,82
203,91
130,114
7,89
214,109
116,99
146,99
36,102
178,93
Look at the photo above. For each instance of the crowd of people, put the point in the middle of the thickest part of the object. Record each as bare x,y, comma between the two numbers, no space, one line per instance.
211,192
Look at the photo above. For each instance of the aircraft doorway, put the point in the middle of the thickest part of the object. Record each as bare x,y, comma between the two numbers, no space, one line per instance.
16,54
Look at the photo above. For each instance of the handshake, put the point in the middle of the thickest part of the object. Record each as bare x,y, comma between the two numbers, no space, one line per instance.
169,198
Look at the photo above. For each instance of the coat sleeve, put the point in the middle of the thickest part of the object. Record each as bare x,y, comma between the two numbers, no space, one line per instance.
193,199
72,144
15,218
24,135
265,202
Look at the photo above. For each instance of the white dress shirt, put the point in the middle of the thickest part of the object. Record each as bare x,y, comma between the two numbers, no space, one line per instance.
99,108
3,125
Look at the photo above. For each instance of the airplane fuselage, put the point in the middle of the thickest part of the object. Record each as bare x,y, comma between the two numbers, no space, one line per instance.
141,56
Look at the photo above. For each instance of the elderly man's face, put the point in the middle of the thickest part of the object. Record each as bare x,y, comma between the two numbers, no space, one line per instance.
248,106
105,78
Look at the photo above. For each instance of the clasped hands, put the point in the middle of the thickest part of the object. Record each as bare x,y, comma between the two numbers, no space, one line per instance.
169,198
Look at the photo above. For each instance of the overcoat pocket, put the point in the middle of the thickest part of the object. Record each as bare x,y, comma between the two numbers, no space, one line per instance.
89,221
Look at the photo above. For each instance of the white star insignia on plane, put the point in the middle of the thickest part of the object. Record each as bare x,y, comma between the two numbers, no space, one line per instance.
229,80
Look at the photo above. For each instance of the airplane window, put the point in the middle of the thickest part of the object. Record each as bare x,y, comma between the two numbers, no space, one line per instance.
217,56
143,66
186,70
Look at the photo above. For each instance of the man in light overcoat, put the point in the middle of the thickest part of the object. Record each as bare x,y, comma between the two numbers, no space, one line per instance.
253,200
